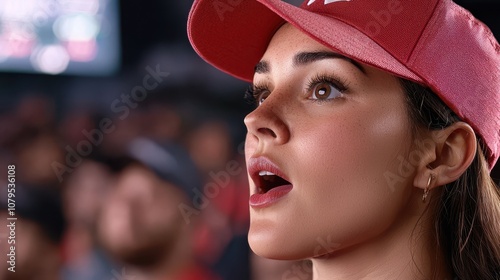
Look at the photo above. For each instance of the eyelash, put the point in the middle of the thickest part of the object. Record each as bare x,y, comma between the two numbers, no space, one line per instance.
253,92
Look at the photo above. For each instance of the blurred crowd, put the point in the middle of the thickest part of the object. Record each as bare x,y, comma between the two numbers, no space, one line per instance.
160,193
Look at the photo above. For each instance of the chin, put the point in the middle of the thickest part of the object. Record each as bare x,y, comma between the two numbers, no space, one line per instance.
271,245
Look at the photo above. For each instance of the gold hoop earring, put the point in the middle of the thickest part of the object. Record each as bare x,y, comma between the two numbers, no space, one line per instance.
427,189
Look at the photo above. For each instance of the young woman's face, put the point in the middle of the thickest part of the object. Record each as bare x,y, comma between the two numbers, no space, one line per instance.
334,129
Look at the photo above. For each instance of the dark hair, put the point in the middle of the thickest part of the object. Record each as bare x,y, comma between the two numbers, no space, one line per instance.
467,217
42,205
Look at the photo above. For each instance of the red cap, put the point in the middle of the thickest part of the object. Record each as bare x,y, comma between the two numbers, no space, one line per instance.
434,42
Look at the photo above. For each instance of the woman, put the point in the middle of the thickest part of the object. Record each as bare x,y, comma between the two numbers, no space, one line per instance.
377,126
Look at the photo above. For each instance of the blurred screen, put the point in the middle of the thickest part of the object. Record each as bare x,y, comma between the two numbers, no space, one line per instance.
79,37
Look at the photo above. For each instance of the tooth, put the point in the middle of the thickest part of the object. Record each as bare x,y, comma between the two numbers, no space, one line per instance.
265,173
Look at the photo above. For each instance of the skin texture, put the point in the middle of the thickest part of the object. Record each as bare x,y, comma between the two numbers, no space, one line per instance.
342,212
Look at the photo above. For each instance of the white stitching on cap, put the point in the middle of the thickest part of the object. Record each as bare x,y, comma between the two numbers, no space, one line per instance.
326,1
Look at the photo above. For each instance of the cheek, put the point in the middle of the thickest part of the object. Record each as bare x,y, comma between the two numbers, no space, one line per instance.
361,147
354,152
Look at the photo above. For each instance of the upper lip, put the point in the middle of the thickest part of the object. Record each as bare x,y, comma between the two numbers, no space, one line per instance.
261,163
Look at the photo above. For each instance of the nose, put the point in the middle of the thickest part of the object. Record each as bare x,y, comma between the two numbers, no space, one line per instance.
267,123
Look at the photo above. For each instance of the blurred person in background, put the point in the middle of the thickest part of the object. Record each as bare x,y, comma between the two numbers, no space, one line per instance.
39,229
209,144
141,224
157,117
29,140
85,192
34,153
123,131
74,122
162,122
36,111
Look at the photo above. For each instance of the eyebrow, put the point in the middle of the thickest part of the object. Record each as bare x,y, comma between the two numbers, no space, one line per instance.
304,58
262,67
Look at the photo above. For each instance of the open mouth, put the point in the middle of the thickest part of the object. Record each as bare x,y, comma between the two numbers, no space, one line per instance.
267,181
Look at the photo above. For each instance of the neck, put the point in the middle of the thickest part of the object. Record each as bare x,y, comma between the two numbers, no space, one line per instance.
406,250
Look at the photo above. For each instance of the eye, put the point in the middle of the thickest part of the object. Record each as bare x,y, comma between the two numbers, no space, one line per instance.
325,88
325,91
257,94
261,97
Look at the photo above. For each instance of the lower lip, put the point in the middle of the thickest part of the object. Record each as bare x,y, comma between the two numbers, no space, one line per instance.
261,200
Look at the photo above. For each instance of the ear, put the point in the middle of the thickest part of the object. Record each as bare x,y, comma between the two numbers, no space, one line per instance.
450,153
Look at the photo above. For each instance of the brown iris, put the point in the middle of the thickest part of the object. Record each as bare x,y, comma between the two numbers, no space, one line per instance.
322,91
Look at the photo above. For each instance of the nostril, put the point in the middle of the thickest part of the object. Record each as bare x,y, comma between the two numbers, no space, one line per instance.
267,123
267,131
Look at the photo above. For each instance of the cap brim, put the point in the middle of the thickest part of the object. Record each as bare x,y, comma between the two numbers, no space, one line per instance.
234,38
